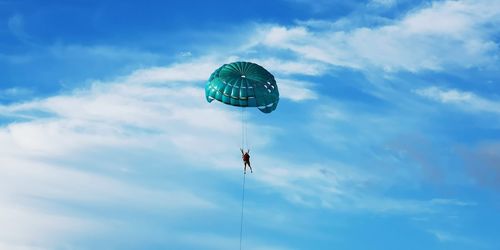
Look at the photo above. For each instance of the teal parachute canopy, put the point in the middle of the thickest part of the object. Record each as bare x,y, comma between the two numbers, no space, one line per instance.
243,84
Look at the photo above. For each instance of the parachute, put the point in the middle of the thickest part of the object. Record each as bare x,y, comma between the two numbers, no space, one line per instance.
243,84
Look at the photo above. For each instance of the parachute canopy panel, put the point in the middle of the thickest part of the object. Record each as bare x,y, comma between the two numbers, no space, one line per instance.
243,84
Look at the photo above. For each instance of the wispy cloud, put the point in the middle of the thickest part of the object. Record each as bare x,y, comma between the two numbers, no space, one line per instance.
191,71
288,67
15,93
445,236
16,26
447,34
296,90
383,3
320,6
196,72
342,188
452,202
213,241
463,99
103,52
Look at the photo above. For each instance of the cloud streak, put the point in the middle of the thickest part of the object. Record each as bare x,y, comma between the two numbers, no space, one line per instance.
449,34
463,99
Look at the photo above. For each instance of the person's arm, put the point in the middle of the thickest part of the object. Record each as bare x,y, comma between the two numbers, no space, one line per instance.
241,151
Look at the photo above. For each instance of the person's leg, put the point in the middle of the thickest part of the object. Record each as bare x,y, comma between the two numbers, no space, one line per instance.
251,171
245,168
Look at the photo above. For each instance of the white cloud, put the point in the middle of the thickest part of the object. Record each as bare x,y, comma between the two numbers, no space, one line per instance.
52,181
287,67
71,52
313,185
296,90
36,192
453,18
319,6
445,236
442,235
198,71
277,35
445,34
192,71
342,188
452,202
25,227
445,96
383,3
465,100
15,93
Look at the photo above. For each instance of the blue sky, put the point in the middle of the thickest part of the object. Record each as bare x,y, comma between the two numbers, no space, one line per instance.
387,134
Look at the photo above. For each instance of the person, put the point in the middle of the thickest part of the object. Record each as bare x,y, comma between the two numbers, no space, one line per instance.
246,160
